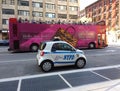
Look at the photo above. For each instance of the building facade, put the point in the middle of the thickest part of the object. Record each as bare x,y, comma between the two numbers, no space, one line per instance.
107,10
37,10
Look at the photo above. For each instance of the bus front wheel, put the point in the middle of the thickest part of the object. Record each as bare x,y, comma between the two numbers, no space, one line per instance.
34,47
91,45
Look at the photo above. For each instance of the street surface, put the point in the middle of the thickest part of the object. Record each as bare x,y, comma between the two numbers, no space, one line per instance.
22,64
102,65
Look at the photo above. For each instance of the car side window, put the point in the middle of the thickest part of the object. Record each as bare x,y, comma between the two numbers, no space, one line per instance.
55,47
67,47
62,47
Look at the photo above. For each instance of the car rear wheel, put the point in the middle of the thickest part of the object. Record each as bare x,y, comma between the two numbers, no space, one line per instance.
46,66
80,63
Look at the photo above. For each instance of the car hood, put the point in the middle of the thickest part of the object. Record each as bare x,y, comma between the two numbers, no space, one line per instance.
80,51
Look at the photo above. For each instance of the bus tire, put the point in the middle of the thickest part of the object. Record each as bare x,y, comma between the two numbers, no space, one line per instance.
91,45
34,47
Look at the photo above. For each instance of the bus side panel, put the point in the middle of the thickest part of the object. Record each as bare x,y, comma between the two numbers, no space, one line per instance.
86,34
23,35
35,33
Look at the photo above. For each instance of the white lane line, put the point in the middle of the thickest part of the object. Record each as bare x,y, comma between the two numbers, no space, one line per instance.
57,73
102,54
3,54
19,85
65,81
110,50
101,75
17,60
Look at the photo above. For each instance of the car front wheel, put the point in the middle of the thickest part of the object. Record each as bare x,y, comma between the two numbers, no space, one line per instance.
80,63
46,66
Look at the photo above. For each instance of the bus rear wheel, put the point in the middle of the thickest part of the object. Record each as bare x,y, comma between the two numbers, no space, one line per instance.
91,45
34,47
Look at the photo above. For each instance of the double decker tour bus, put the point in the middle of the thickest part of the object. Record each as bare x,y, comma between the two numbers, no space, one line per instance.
27,36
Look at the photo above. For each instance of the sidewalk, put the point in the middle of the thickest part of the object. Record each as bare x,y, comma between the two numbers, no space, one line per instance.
114,43
113,85
3,49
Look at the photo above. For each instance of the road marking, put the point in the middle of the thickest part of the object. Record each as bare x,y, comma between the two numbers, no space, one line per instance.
101,75
19,85
4,54
102,54
57,73
65,81
23,60
110,50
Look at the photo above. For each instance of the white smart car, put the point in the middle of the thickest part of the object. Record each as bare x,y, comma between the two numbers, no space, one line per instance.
59,53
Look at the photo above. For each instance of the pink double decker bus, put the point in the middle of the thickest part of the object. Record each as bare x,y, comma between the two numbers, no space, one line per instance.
28,36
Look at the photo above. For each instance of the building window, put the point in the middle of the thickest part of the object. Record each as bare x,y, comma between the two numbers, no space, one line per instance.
5,21
117,20
73,8
104,16
64,16
110,1
110,7
100,4
50,15
23,12
73,16
62,7
12,2
104,9
117,12
109,23
23,3
50,6
8,11
99,18
63,0
37,14
4,1
37,4
74,1
105,2
110,15
99,11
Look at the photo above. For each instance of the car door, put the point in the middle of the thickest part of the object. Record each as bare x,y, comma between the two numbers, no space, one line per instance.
63,53
69,53
57,53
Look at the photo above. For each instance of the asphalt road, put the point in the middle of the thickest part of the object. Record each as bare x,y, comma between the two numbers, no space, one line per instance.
24,64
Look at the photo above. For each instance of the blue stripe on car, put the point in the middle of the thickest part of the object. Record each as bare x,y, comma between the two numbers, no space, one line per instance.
60,52
63,62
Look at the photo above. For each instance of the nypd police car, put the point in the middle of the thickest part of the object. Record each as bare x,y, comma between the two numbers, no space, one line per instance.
59,53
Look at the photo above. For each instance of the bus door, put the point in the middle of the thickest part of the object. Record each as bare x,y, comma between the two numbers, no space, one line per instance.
99,41
103,40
